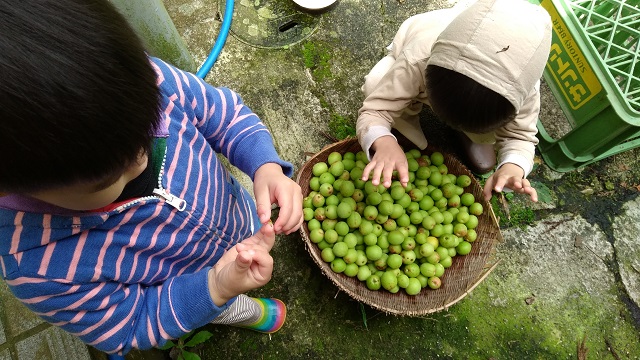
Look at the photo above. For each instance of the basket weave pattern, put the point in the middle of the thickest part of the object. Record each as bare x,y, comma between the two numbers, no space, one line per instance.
465,273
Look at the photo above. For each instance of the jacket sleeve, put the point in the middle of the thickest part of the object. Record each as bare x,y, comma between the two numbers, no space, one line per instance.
230,127
516,141
116,317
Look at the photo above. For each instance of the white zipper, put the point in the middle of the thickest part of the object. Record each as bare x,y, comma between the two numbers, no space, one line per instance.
172,200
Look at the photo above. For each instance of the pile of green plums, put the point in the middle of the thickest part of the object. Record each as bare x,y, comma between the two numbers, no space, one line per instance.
395,238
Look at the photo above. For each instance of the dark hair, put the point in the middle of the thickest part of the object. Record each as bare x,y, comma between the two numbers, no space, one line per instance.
464,104
79,96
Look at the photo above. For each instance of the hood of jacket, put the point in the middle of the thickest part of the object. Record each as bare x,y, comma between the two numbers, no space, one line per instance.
502,44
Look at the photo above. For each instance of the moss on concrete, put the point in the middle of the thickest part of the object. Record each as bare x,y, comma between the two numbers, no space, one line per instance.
323,325
317,58
342,127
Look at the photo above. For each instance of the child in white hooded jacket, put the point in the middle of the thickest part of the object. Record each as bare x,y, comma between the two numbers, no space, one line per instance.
478,67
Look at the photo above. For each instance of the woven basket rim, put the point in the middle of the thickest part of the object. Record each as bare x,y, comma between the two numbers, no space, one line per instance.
461,278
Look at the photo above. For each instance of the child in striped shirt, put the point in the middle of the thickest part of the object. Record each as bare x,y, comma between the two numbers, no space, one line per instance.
118,222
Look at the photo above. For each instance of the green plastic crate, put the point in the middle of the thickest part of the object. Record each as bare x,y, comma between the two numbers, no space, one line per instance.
594,72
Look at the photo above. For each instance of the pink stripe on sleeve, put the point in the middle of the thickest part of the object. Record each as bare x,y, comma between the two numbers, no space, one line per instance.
28,280
176,76
203,253
151,335
46,238
251,130
173,311
38,299
77,253
194,247
77,225
223,110
237,118
199,185
46,258
107,316
176,252
46,229
168,109
226,215
166,248
163,333
123,249
152,243
159,74
88,296
215,218
205,105
15,238
177,157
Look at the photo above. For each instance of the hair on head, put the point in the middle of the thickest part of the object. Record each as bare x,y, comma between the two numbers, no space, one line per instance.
79,96
464,104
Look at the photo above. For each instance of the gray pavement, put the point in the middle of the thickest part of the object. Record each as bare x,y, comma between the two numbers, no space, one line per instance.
569,273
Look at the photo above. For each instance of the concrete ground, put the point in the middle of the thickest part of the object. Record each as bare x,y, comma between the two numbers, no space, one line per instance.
568,282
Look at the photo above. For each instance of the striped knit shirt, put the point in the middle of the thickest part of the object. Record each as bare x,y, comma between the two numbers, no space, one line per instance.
136,275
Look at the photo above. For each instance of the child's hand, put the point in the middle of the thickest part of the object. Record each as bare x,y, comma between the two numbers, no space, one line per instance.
509,176
251,267
264,238
388,156
271,186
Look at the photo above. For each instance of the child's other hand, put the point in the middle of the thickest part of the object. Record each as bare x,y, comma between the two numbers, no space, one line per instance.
250,269
388,156
271,186
264,238
509,176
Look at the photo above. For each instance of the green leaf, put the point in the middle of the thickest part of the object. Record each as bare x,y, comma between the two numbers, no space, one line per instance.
168,345
199,338
364,316
189,355
544,193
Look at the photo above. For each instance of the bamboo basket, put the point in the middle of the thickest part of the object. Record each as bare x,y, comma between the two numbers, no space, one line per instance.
464,275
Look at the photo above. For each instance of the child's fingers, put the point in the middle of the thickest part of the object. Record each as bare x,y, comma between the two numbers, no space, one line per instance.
403,173
290,219
290,215
488,189
529,190
262,266
367,170
263,204
532,193
266,237
377,171
244,260
499,183
387,173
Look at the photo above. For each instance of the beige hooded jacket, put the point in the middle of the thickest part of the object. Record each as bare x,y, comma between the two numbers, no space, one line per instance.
502,44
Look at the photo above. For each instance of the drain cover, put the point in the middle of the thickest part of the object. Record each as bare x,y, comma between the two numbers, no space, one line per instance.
270,23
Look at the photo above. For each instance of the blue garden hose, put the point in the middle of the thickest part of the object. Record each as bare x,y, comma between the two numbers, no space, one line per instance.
220,40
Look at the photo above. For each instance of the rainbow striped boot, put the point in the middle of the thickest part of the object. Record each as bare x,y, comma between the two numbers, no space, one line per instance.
273,314
265,315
